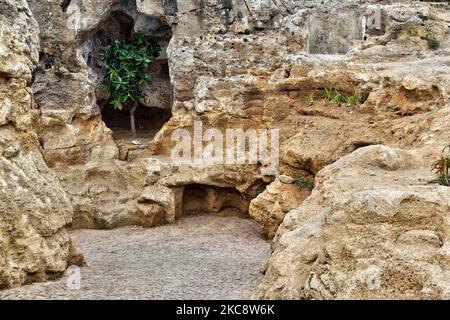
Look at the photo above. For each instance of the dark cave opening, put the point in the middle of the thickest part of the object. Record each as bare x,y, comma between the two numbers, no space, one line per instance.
200,199
154,109
65,4
148,121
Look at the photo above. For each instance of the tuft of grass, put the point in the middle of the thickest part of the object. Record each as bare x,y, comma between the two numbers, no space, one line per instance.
305,183
393,109
339,98
442,168
329,95
434,44
333,95
310,99
353,100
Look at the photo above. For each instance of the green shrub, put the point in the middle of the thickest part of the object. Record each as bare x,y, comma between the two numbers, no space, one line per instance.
333,95
433,44
329,95
126,62
310,99
305,183
442,168
353,100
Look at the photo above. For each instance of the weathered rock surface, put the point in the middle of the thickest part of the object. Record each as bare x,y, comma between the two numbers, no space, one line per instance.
258,71
374,228
34,208
271,206
238,64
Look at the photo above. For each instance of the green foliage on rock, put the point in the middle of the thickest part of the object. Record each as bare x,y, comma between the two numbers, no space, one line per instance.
434,44
126,62
333,95
305,183
310,100
442,168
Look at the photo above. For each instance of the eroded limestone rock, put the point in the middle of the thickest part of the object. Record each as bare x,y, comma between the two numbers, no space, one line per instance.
373,228
34,208
271,206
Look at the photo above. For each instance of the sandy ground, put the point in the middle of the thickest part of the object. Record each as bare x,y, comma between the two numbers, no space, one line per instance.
200,257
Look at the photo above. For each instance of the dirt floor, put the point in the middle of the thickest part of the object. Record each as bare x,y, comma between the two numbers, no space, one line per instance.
200,257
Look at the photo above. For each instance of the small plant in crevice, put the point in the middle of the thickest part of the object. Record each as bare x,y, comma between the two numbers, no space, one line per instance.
305,183
393,109
442,168
333,95
126,62
353,99
310,100
329,95
339,98
434,44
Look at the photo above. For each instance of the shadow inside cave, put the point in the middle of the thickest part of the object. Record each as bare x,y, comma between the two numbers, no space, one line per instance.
155,107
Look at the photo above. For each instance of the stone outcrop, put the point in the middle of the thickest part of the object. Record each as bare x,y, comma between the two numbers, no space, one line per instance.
238,64
279,198
260,71
374,228
34,208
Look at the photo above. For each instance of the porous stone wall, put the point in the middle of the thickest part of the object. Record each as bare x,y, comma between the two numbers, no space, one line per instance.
34,207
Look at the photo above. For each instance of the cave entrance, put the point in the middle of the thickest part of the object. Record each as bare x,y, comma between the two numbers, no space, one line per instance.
149,120
154,109
201,199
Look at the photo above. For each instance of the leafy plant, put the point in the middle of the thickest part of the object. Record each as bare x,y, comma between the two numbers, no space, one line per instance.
126,62
333,95
442,168
353,100
305,183
433,44
339,98
329,95
310,99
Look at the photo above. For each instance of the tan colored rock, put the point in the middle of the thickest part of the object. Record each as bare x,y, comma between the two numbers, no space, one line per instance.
232,65
18,50
115,194
34,208
245,64
271,206
374,228
152,8
63,95
77,143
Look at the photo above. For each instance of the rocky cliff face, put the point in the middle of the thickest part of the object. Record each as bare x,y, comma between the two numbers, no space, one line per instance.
34,208
374,228
254,64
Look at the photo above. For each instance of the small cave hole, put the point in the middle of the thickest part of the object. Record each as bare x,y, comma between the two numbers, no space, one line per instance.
154,109
149,120
203,199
